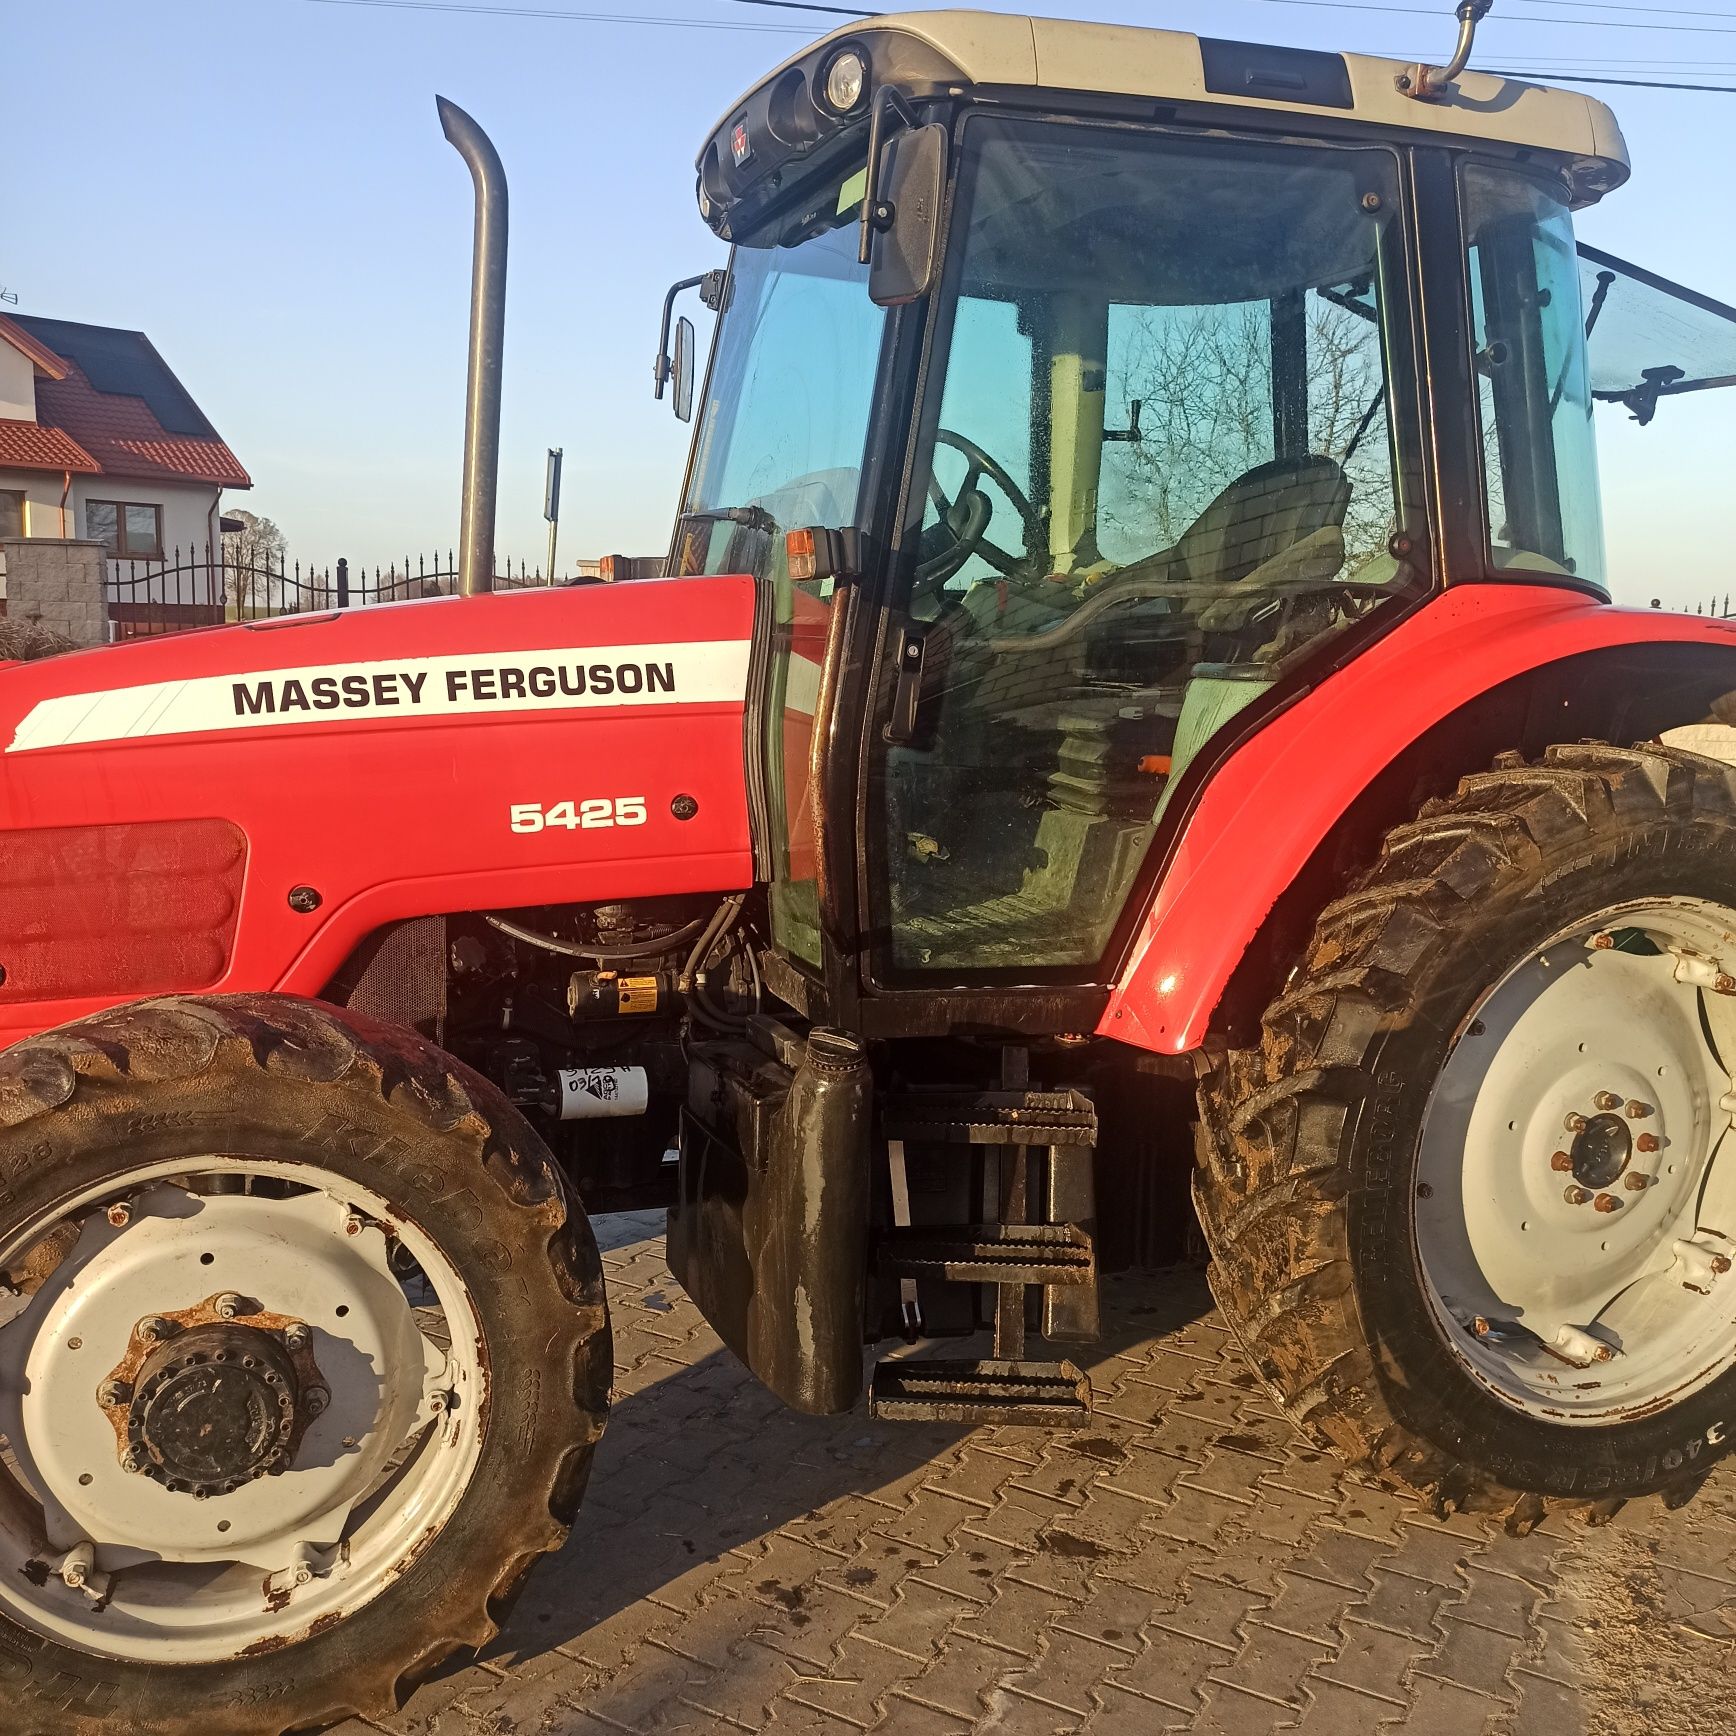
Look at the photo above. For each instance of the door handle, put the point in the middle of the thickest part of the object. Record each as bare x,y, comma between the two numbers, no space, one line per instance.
907,686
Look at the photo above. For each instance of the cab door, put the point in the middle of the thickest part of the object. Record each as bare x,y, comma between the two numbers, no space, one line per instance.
1161,467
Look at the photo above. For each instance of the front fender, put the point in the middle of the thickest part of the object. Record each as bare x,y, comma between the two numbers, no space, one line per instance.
1267,810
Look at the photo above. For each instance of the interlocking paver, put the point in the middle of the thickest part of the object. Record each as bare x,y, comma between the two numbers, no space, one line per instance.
1181,1563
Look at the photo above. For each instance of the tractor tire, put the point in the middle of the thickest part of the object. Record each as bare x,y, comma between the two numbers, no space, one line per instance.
1390,1187
249,1206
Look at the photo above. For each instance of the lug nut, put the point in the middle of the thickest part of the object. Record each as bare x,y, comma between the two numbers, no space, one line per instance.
1634,1182
1638,1111
1648,1143
1561,1163
296,1336
1607,1203
1605,1101
113,1392
131,1463
120,1214
229,1305
1576,1195
154,1328
1574,1122
317,1400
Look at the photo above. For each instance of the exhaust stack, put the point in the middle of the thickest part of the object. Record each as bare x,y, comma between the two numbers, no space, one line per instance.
487,339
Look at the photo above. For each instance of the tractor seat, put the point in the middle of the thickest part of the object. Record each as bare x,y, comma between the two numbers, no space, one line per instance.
1262,513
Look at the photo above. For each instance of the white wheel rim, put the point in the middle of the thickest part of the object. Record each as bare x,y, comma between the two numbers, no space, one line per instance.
1582,1270
117,1563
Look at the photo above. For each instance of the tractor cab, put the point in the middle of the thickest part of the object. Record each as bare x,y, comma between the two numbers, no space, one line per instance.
1080,397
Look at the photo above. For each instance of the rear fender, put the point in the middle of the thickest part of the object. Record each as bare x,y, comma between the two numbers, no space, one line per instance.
1302,804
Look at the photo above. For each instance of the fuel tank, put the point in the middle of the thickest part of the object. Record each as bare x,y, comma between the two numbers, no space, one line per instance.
236,808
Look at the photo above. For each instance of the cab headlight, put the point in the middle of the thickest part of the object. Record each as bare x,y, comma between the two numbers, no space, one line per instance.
845,81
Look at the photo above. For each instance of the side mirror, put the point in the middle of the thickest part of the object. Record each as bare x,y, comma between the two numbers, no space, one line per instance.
906,216
681,369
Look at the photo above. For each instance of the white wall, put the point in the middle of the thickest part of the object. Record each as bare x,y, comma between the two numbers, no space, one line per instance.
189,524
17,385
189,520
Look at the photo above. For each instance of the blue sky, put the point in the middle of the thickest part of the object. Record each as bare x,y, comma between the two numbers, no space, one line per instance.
261,185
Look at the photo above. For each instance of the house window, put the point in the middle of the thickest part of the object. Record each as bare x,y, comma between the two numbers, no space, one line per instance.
129,531
11,512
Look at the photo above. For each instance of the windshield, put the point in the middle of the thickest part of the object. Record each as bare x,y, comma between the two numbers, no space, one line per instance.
785,422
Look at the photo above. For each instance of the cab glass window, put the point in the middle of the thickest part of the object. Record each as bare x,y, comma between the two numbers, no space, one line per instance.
1534,390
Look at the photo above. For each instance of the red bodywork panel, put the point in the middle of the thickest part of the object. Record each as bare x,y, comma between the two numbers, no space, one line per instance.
161,799
1264,812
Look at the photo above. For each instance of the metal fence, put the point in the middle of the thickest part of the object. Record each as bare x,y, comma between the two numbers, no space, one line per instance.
204,588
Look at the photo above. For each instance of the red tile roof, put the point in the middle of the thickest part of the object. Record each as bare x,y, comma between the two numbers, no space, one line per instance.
125,438
31,446
38,352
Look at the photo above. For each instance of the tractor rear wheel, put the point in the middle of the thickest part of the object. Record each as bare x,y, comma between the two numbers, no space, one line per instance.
303,1355
1472,1201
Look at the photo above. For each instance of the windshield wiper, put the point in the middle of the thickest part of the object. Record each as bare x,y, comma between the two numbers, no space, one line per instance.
754,517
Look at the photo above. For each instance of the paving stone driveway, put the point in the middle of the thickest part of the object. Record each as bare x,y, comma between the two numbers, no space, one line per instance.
1179,1564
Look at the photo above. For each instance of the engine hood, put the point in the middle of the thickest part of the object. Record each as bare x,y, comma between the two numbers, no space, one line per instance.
239,808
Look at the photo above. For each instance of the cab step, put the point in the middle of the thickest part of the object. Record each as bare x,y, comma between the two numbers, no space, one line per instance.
1037,1254
1035,1394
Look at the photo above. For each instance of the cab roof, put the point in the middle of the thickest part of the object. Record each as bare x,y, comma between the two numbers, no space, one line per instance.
928,53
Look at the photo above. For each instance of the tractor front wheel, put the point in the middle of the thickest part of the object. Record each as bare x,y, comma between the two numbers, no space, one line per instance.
303,1354
1472,1201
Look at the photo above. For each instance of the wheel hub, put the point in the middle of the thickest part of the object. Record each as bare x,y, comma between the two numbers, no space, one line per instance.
214,1408
1601,1151
1576,1183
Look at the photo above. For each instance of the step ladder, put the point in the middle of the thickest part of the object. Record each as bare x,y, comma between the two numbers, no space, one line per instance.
1023,1248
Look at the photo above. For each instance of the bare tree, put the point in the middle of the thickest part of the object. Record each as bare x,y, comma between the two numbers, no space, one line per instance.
253,560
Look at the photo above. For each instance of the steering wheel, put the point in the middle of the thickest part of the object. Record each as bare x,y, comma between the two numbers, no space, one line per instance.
964,516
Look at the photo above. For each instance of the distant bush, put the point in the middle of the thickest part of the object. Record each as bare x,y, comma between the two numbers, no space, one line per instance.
22,641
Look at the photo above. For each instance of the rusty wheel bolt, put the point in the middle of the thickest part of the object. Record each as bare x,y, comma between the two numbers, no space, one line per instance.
296,1337
229,1305
1648,1143
1634,1182
113,1392
132,1464
1720,1263
317,1400
1574,1122
352,1225
1638,1111
155,1328
1605,1101
120,1214
1603,942
1607,1203
1576,1195
1561,1163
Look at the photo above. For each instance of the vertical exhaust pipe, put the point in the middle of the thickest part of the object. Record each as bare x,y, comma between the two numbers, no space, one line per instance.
487,339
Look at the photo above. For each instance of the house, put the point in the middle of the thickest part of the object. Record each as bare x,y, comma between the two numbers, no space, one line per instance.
98,439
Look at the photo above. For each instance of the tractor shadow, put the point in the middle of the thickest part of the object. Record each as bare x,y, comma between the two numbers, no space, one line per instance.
699,1461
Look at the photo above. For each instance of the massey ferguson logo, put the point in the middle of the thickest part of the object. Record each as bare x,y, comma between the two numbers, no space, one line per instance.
406,687
703,672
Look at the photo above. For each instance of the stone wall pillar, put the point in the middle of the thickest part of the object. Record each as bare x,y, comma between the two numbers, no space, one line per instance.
59,583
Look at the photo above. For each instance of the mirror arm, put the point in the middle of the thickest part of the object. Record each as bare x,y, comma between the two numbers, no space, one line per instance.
875,215
663,367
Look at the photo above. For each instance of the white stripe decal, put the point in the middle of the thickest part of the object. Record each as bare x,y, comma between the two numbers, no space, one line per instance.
586,677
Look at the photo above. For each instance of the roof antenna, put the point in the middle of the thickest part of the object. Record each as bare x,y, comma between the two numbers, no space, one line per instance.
1435,83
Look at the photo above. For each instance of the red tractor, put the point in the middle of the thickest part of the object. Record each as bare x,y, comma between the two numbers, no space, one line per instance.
1136,614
